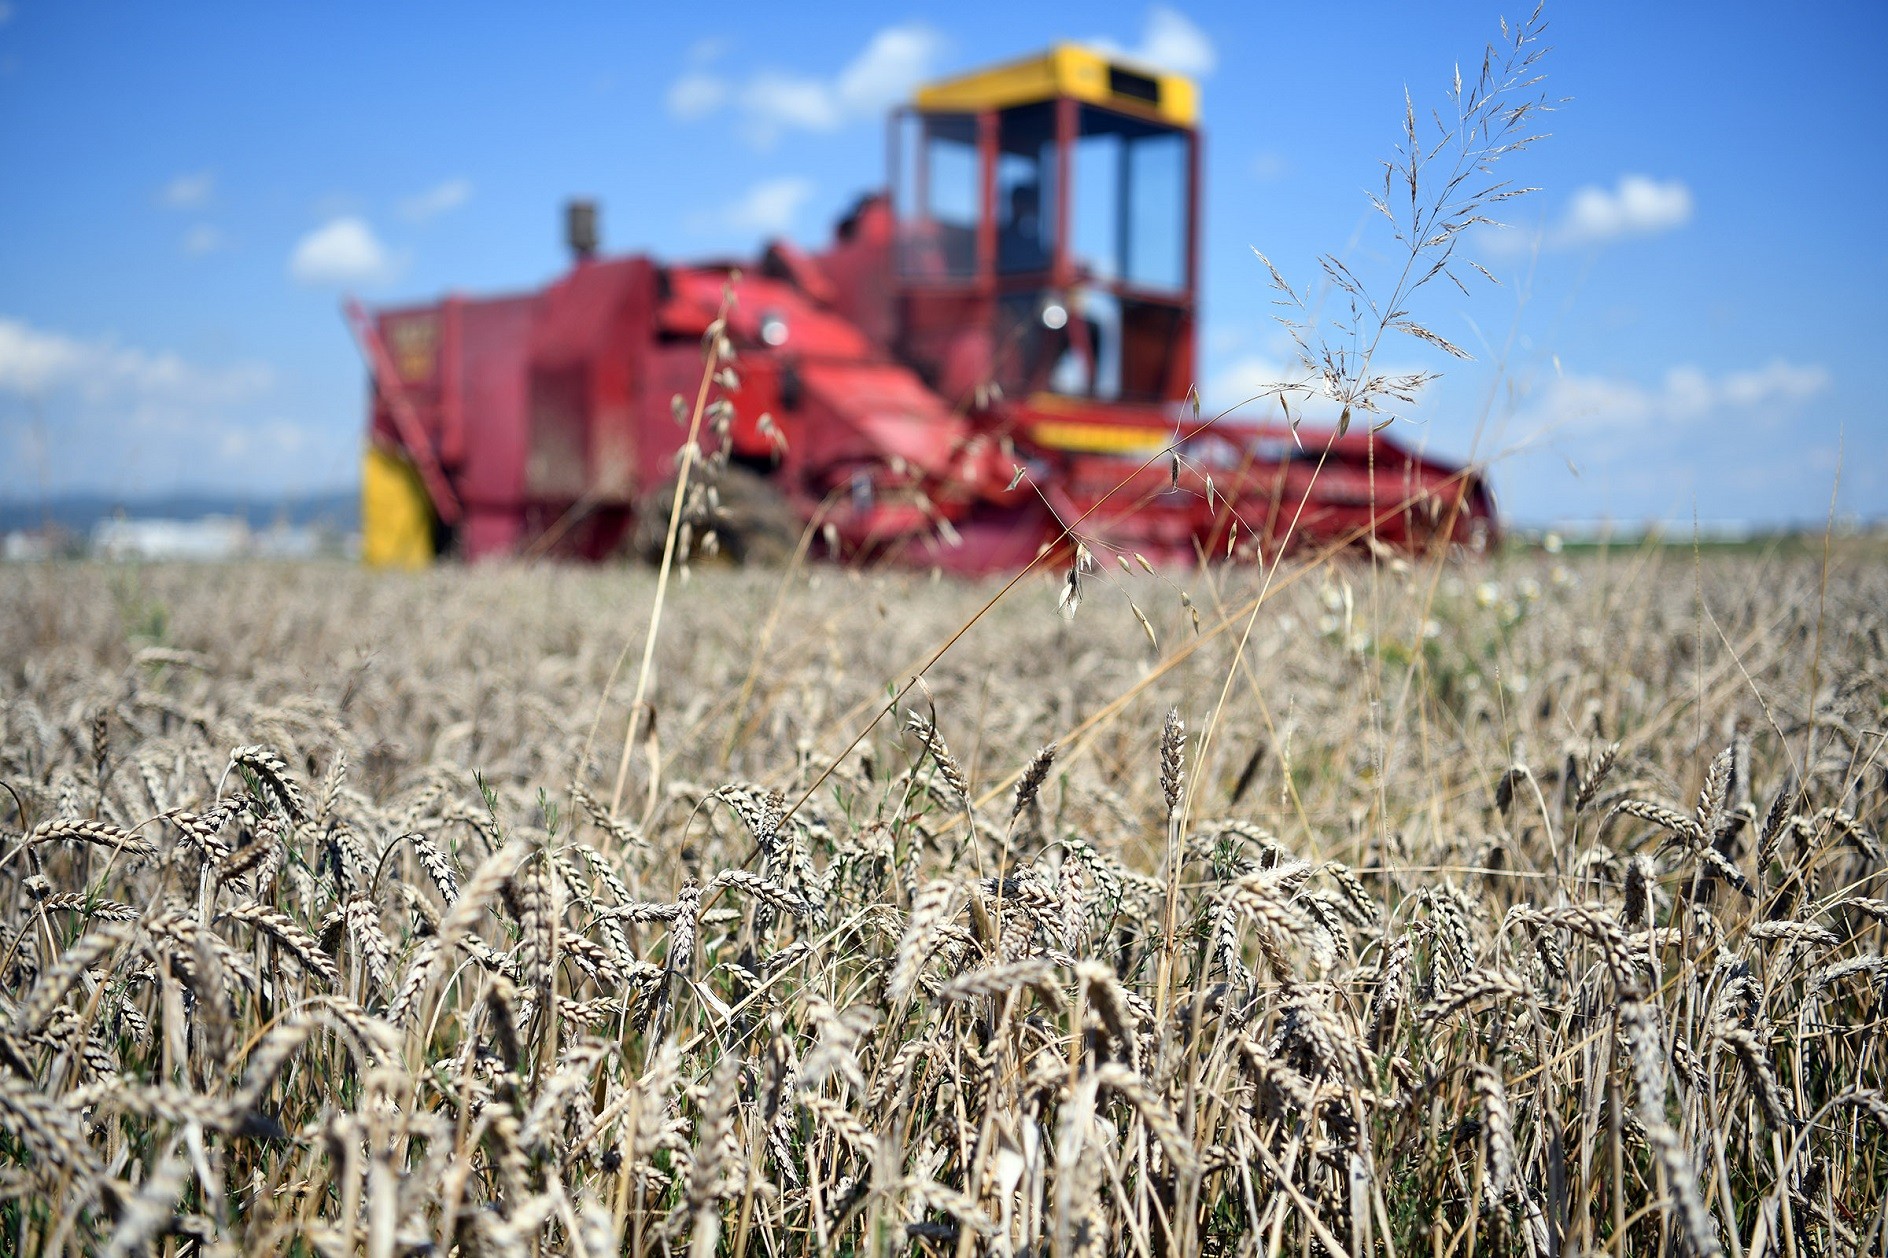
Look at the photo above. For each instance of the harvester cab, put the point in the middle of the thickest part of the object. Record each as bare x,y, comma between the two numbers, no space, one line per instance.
1047,231
994,351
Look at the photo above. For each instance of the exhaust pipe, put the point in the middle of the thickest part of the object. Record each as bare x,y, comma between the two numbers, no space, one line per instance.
580,229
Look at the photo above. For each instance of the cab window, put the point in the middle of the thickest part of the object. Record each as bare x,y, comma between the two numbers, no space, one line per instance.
938,197
1130,205
1025,189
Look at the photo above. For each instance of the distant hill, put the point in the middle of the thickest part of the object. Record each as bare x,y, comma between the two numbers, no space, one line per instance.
78,512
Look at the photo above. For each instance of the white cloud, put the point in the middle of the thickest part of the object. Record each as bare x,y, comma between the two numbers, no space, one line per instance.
1776,381
1258,376
91,413
189,192
1169,41
769,207
696,95
1244,378
699,92
437,200
341,252
35,362
1637,206
893,62
31,360
134,420
1742,444
1686,396
772,102
204,238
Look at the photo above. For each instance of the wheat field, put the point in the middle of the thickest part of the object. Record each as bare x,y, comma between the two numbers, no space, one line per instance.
1527,907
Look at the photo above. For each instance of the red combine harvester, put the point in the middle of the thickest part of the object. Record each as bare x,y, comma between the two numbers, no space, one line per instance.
1024,297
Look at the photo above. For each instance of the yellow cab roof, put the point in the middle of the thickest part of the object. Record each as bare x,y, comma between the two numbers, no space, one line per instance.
1069,70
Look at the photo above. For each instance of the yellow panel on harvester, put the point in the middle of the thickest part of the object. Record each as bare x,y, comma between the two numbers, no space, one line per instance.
1069,70
1056,434
396,518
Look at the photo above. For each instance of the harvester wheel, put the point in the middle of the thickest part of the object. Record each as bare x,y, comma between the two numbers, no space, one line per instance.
751,520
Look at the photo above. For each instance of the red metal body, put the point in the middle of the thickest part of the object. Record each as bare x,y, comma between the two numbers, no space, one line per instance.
906,374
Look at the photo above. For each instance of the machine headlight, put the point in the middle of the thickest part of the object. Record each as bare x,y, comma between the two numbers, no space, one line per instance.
773,329
1055,316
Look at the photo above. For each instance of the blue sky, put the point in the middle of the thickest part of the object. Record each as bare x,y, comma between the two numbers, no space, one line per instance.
1691,314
